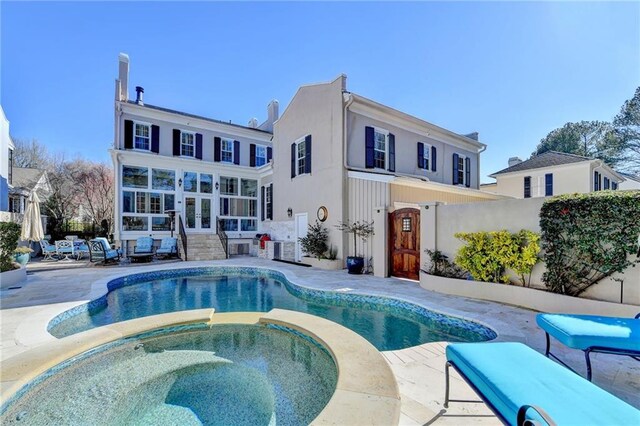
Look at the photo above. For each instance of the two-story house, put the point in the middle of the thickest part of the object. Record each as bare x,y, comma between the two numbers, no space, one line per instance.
6,166
348,158
208,171
553,173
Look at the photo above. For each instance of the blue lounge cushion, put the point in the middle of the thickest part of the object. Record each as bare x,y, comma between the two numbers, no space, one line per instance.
585,331
510,375
168,245
144,245
111,254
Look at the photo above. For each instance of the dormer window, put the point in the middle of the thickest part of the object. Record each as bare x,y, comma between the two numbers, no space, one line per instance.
187,144
142,136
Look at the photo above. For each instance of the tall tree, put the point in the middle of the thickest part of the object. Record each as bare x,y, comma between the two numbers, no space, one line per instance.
31,154
627,126
94,182
593,139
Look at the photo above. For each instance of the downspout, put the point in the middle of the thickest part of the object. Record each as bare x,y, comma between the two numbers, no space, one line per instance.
483,149
345,171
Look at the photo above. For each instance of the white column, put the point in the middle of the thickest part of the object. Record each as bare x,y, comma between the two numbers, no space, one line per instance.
380,242
428,229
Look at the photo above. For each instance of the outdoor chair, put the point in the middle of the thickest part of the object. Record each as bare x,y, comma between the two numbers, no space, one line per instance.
168,247
590,333
81,250
64,248
48,250
144,245
523,387
101,251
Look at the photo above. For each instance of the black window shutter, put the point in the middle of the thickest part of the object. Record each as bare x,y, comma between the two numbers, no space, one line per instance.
606,183
269,153
433,158
548,184
236,152
252,155
455,169
467,171
307,155
420,155
368,136
155,138
527,187
599,181
176,142
270,206
199,146
392,153
262,194
217,146
128,134
293,160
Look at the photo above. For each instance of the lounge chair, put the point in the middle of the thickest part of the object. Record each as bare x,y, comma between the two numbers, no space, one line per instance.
64,248
81,250
590,333
523,387
100,251
144,245
48,250
168,247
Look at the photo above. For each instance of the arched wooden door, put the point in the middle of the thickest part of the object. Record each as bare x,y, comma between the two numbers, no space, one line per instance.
404,243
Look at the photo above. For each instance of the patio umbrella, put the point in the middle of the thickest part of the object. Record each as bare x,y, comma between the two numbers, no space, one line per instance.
32,224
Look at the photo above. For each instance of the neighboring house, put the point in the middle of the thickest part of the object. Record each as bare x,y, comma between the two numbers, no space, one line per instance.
6,165
333,155
205,169
25,181
630,181
553,173
342,157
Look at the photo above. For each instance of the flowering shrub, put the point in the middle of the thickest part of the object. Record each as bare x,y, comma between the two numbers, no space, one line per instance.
488,255
588,237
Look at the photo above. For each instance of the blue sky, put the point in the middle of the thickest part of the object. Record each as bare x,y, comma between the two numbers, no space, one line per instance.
511,71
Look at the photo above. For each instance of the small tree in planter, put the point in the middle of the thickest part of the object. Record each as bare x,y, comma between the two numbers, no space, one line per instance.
315,242
364,230
9,235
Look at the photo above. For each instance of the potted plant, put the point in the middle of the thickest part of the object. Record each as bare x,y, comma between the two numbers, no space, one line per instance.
364,229
22,255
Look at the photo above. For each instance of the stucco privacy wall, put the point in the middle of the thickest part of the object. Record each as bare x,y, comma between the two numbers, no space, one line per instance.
513,215
315,110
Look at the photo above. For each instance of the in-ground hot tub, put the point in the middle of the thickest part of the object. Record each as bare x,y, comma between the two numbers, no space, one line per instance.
236,369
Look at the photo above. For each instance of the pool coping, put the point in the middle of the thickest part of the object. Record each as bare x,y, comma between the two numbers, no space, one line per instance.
366,390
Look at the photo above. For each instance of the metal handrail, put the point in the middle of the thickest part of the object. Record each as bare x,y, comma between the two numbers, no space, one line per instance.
224,239
183,236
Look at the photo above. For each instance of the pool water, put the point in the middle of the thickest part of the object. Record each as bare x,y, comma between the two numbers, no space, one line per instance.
388,326
191,375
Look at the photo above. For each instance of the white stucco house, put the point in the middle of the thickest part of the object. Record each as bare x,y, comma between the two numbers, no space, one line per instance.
553,173
630,181
6,165
332,155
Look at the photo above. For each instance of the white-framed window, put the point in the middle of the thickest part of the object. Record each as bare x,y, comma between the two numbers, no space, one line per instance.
238,203
187,144
426,155
226,150
268,202
301,154
380,146
141,136
261,155
461,170
146,194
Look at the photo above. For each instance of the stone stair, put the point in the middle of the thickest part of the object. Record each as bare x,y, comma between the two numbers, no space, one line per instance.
202,247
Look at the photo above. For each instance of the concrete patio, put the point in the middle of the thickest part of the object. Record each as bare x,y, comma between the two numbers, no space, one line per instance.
419,371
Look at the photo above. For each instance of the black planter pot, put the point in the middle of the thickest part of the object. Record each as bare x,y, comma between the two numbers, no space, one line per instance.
355,265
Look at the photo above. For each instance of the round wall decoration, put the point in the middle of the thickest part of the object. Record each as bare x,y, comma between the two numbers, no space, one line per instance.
323,213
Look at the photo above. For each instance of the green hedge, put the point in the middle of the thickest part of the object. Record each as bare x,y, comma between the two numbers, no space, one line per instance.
587,237
488,255
9,235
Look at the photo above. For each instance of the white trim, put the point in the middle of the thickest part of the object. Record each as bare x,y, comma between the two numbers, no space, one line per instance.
142,123
299,142
266,161
426,155
374,177
529,171
386,133
188,132
464,170
222,150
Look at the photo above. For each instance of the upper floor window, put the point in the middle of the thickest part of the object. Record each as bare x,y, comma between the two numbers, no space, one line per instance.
227,150
614,185
187,144
10,173
527,187
426,157
461,169
261,155
380,149
548,184
606,183
142,136
301,156
597,181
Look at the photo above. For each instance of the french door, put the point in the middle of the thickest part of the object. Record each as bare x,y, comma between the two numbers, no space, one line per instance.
198,213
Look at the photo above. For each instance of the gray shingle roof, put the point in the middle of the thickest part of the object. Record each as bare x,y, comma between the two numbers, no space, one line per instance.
26,178
186,114
547,159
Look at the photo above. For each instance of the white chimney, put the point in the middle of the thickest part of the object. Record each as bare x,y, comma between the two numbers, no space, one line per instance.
123,76
272,116
473,136
514,160
253,123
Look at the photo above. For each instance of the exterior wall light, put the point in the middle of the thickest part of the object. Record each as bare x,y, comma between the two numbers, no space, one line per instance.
180,182
217,186
289,212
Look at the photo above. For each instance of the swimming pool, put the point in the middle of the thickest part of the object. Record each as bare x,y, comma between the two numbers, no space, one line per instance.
221,375
387,323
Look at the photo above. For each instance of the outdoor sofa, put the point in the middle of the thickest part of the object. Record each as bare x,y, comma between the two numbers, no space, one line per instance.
591,333
523,387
